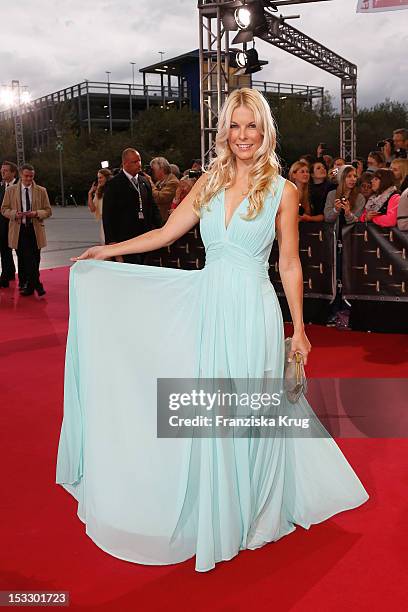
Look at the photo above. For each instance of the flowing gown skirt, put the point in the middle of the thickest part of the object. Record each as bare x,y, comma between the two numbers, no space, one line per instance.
152,500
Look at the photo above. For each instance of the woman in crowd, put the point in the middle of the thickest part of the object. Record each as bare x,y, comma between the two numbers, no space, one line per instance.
375,160
343,207
365,186
95,198
319,187
399,168
381,208
299,174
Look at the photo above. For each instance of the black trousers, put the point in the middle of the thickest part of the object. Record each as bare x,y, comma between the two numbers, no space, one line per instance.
8,270
29,256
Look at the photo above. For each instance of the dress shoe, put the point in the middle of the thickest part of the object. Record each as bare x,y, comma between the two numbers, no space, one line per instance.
40,290
26,291
4,283
22,284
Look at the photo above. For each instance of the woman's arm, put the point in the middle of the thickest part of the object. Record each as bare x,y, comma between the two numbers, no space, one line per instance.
287,231
311,218
390,217
330,214
178,224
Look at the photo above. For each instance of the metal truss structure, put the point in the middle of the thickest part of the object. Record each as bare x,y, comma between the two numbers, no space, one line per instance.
18,124
215,75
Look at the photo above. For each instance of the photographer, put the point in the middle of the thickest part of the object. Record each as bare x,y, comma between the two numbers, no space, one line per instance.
400,140
95,198
387,149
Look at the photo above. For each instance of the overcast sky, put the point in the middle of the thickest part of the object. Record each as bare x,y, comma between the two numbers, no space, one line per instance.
51,44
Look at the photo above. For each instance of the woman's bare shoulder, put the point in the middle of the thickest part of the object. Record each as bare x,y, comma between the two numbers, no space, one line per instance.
289,188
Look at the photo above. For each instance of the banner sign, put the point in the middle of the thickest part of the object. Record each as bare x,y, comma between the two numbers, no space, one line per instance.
317,250
375,264
377,6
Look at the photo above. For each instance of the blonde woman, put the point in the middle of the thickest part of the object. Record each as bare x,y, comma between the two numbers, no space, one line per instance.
399,169
299,174
150,499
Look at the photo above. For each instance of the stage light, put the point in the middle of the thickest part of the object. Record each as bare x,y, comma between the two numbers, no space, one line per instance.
241,59
251,21
247,62
243,17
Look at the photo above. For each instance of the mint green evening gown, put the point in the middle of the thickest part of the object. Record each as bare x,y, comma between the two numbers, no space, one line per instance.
161,501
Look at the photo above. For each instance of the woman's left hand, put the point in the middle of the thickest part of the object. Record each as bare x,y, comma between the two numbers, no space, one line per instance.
370,215
301,344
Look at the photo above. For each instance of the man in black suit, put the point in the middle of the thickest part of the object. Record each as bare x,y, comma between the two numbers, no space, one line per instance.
128,206
9,176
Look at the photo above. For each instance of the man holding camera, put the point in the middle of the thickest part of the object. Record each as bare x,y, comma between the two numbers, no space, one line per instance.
400,140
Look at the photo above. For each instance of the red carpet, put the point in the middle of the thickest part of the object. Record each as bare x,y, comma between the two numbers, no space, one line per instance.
354,561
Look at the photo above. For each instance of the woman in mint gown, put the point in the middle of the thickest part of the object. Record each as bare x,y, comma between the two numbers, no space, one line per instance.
157,500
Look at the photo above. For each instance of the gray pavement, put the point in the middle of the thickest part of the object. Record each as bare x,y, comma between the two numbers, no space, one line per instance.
69,231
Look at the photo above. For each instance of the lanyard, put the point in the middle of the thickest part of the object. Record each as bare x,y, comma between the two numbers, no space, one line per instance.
139,195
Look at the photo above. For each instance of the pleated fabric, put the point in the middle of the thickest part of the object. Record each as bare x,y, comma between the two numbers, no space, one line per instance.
158,501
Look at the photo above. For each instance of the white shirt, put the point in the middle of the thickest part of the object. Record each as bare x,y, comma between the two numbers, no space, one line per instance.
130,177
23,199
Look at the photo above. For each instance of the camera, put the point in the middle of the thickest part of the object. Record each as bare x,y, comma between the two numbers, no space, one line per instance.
401,153
147,170
194,174
380,144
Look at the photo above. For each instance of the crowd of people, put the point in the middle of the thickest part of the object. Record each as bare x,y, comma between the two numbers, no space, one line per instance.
373,190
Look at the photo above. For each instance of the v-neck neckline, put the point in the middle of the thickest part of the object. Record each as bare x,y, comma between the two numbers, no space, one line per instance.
226,227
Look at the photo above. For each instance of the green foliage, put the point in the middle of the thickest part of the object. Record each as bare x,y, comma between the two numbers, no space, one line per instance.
375,124
175,134
7,141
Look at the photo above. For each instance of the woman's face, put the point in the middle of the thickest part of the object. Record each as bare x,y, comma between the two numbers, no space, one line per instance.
302,175
351,179
372,163
101,179
366,189
396,171
244,136
319,171
375,183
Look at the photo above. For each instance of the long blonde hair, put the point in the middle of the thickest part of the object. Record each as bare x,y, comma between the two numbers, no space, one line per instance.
222,170
304,195
403,166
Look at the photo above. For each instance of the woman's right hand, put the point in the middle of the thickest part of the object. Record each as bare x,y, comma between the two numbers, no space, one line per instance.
338,205
96,252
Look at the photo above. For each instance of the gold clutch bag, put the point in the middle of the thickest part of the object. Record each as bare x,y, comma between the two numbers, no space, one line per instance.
295,382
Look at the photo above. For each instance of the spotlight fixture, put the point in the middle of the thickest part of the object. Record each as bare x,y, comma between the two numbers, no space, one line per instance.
243,17
247,62
251,21
241,59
